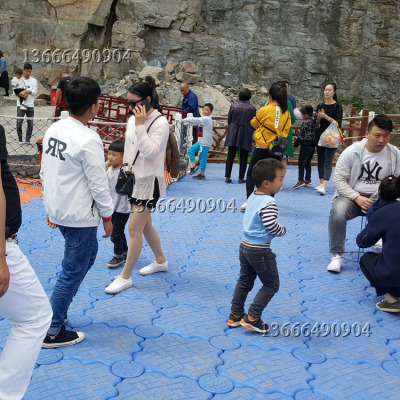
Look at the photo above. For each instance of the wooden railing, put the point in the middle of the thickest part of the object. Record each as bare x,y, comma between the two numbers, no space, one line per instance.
353,127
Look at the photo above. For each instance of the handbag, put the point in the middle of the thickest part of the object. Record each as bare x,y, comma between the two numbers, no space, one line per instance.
279,144
126,177
331,137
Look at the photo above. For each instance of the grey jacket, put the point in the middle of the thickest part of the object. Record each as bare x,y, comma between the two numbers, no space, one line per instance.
348,168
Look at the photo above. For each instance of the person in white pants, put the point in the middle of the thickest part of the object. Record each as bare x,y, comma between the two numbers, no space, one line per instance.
23,301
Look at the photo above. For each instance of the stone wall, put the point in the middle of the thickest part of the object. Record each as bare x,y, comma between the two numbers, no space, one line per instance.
309,42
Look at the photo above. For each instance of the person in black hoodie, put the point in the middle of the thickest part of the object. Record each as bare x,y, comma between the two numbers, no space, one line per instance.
382,269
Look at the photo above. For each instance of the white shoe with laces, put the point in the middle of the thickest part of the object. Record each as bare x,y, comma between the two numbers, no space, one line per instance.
153,268
336,263
321,190
118,285
317,187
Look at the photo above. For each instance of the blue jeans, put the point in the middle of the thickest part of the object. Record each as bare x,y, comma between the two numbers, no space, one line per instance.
79,254
203,153
255,262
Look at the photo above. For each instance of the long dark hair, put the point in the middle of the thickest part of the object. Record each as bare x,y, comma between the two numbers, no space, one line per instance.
1,54
278,93
334,89
143,90
150,81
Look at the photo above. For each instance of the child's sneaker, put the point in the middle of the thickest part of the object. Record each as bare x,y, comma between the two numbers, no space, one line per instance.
193,169
257,325
308,182
199,177
63,338
299,184
234,321
116,261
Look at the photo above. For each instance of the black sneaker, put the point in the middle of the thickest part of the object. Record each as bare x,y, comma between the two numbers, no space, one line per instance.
228,180
258,325
199,177
193,169
63,338
242,180
233,321
116,262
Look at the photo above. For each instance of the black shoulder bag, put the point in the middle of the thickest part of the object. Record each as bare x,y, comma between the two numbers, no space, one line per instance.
279,144
126,177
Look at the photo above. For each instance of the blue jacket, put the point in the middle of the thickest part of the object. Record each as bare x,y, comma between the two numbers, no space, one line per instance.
3,65
191,104
383,225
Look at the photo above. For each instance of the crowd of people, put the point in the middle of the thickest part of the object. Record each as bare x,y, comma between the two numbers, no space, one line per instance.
79,191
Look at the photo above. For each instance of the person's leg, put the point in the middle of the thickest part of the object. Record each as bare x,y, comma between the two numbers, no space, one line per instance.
30,113
343,209
244,155
192,157
264,264
301,162
328,160
321,162
153,240
27,307
258,154
244,284
118,235
307,163
79,255
367,264
203,154
20,115
139,217
229,161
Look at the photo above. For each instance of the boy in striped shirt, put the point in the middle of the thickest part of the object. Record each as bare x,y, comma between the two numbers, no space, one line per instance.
260,226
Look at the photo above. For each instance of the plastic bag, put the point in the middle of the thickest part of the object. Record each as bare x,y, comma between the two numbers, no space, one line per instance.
331,137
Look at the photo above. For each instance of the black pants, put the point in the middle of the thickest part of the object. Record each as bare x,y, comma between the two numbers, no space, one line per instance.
30,113
368,265
258,154
325,159
304,163
231,158
119,221
255,262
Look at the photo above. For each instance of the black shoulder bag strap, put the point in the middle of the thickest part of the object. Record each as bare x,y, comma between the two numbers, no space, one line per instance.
276,133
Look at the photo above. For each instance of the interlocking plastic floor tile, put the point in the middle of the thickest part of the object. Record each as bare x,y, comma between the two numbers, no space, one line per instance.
189,321
70,379
156,386
341,379
175,356
250,394
265,371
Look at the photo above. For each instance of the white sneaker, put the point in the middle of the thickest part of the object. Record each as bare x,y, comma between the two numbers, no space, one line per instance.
336,263
317,187
153,268
321,190
243,207
118,285
22,108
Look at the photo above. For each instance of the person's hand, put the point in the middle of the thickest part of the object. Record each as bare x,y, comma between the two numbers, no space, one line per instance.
108,164
140,115
108,228
321,113
364,202
49,223
4,276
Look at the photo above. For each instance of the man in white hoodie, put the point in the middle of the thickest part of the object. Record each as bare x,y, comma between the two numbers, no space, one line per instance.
76,195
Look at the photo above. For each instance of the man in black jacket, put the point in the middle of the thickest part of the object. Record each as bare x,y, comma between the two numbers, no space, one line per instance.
383,269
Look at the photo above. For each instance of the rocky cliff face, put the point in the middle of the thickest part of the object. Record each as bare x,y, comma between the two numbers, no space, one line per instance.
309,42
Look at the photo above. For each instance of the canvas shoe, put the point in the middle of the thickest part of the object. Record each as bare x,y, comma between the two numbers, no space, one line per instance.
384,305
118,285
116,261
199,177
321,190
258,325
62,339
308,182
317,187
153,268
336,263
243,207
299,184
233,321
